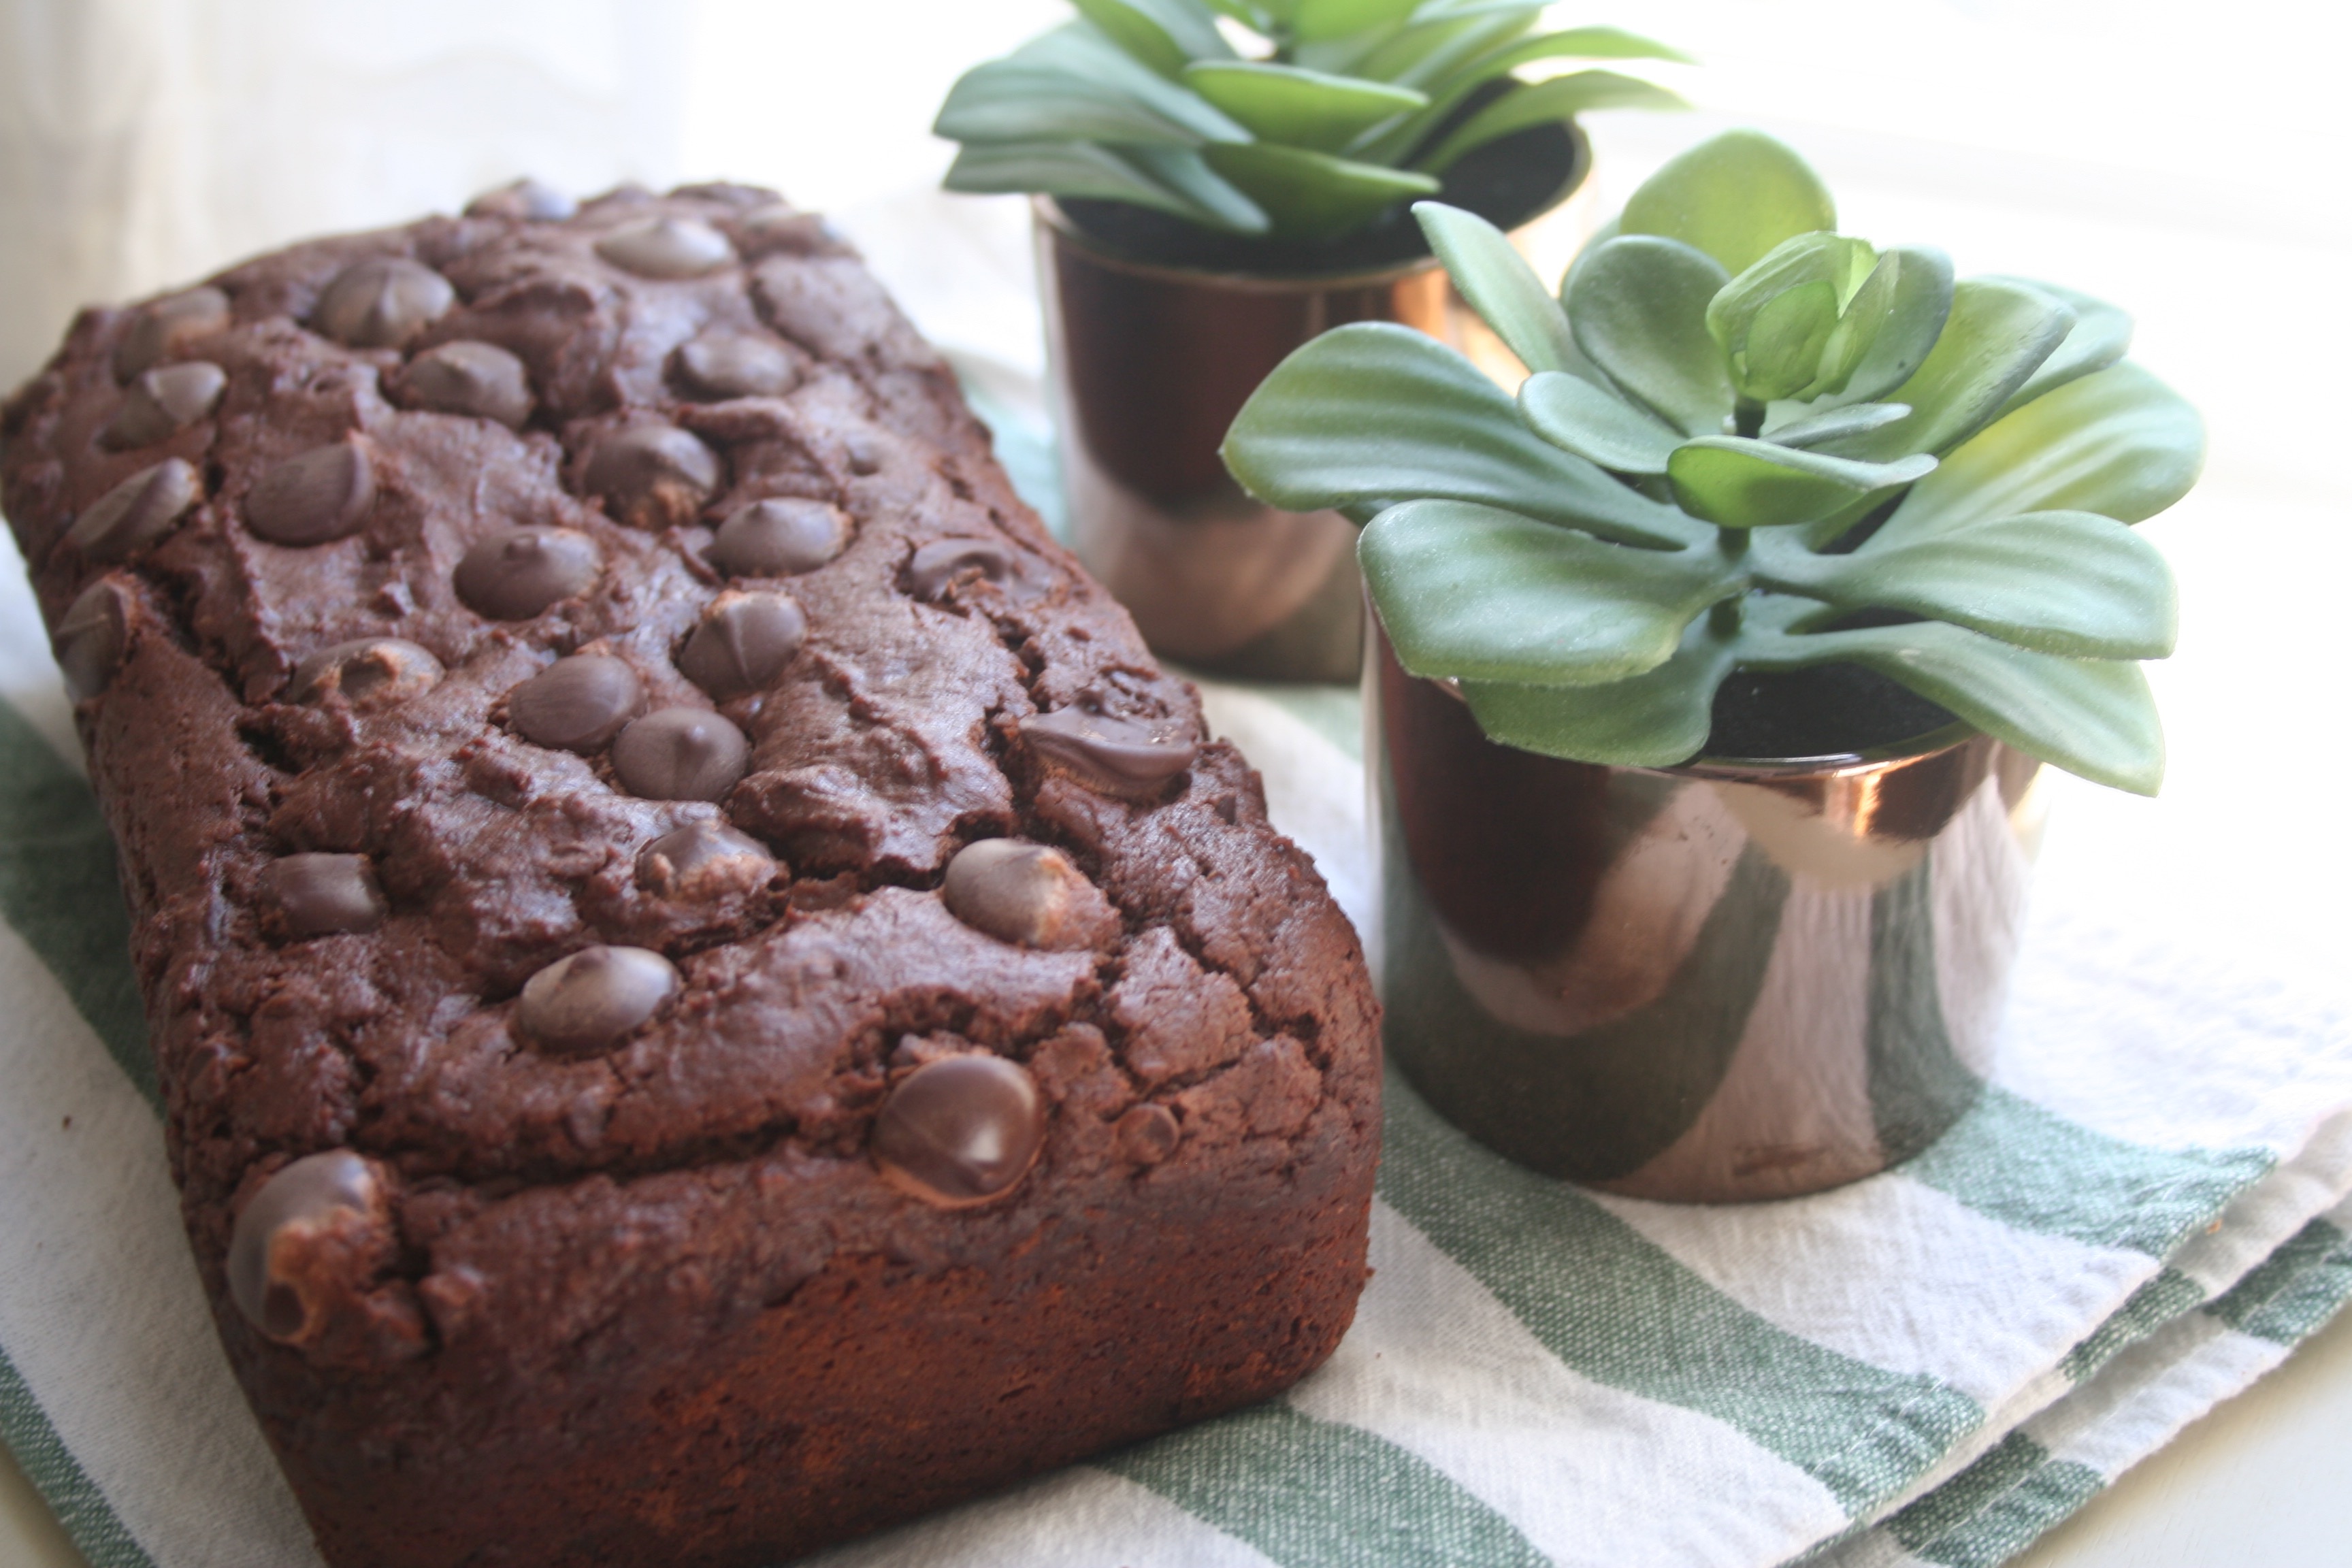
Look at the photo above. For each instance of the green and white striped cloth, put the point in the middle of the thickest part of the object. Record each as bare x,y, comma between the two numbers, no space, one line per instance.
2145,1214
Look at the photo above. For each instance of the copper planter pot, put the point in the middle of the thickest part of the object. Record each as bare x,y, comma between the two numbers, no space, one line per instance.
1715,983
1149,365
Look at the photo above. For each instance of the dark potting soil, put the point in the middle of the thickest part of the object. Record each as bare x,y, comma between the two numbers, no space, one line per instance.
1826,710
1506,181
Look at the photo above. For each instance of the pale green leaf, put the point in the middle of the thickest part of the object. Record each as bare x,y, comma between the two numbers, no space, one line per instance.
1313,196
1809,427
1481,594
1736,482
1595,424
1780,348
1448,92
1170,179
1317,20
1536,103
1894,322
1996,336
1499,284
1426,51
1637,305
2070,583
1655,719
2117,442
1298,108
1734,197
2091,717
2101,334
1162,35
1072,84
1373,413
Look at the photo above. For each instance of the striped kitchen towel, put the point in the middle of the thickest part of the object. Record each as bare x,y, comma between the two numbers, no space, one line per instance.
2147,1211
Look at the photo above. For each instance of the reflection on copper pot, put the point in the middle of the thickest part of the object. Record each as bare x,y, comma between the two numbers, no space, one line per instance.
1720,982
1148,366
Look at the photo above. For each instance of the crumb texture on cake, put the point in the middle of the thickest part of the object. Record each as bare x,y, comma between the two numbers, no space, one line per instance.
541,668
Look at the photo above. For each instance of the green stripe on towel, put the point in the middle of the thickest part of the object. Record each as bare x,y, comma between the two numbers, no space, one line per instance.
1996,1508
1316,1494
2295,1289
1621,1311
60,891
2033,1169
2152,1306
75,1499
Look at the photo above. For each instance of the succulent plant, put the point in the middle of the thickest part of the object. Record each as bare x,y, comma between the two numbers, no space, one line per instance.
1747,441
1326,115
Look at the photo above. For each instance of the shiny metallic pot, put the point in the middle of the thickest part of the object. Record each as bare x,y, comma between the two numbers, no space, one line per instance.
1715,983
1149,365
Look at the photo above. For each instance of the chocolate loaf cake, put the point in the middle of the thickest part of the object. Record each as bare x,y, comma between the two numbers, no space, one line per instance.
709,995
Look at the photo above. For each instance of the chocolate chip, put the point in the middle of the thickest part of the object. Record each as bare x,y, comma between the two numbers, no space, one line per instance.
743,643
138,511
524,201
514,576
317,498
382,302
680,753
163,401
324,895
1147,1134
702,859
167,326
654,476
667,247
576,704
367,672
945,563
478,379
779,537
314,1194
1024,893
91,638
959,1131
720,363
1121,755
779,227
588,1000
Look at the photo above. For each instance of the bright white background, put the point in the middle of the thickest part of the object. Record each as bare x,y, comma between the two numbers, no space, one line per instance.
2187,161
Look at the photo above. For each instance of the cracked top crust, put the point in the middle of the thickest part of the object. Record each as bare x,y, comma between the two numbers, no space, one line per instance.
297,664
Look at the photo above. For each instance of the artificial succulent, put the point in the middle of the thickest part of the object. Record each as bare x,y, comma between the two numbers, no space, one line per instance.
1747,441
1302,120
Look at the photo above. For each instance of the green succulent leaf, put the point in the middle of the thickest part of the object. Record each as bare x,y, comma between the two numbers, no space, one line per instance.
1373,413
1310,195
1996,336
1448,94
1426,51
1071,85
2092,717
1317,20
1257,18
1798,322
1163,35
1892,324
1653,719
1482,594
1560,98
1811,427
1299,108
1733,481
1499,284
1637,306
1171,179
1734,197
1595,424
2070,583
2117,442
2101,334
